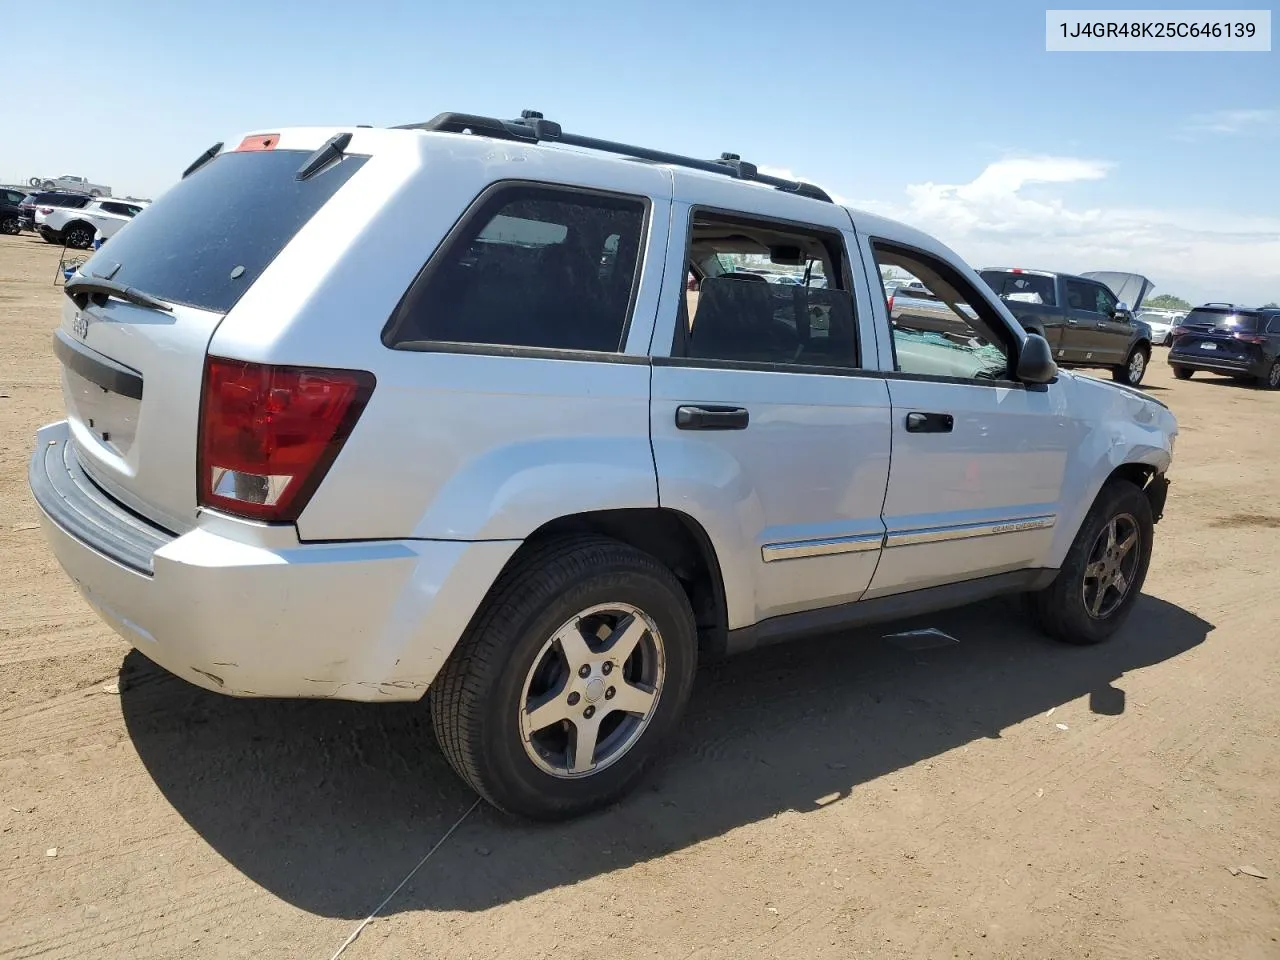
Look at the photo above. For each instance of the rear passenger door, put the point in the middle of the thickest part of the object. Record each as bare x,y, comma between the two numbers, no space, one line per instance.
767,429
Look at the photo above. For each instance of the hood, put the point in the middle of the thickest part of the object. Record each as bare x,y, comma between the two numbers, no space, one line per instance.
1132,288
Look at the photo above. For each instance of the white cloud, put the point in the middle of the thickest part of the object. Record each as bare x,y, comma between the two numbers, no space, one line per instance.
1232,122
992,220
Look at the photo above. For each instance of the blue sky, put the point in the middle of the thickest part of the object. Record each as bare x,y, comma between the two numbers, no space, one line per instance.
949,116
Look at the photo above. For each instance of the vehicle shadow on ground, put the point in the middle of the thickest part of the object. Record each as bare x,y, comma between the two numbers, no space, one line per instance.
329,805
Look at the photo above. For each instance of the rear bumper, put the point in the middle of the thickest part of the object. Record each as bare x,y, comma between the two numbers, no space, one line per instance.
369,621
1198,361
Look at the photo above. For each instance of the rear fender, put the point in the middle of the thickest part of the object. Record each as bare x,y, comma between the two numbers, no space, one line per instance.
510,491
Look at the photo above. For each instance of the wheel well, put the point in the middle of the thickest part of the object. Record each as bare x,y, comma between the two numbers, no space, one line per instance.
77,223
1136,473
1143,345
675,539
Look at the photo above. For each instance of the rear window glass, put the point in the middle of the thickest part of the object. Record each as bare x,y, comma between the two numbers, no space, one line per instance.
1023,287
1223,320
530,267
237,211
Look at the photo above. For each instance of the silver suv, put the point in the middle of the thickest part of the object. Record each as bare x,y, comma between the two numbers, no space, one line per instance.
490,413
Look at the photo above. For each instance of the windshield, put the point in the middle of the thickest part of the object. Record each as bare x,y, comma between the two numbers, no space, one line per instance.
1025,287
208,239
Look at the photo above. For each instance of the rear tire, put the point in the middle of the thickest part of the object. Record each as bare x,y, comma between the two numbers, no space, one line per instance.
78,236
1084,605
1183,373
511,671
9,225
1134,368
1271,379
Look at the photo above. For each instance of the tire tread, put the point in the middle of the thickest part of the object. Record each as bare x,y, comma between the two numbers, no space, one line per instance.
1054,608
457,699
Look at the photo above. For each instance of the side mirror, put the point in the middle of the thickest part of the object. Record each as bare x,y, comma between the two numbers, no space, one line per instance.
1035,362
1122,311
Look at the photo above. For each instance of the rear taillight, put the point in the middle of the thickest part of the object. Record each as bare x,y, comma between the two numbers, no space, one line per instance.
268,434
1181,331
1250,337
889,304
46,210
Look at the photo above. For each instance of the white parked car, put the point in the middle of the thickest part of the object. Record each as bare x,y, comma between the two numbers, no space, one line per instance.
379,414
1161,323
78,227
68,182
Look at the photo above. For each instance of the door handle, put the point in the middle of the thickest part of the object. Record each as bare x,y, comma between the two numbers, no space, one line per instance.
1072,320
930,422
691,417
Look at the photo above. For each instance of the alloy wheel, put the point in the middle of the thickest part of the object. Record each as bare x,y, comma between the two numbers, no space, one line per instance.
592,690
1113,560
1137,366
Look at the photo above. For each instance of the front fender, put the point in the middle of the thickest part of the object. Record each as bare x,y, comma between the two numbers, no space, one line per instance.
1118,427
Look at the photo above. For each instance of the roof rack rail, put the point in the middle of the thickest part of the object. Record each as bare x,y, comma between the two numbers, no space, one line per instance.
532,127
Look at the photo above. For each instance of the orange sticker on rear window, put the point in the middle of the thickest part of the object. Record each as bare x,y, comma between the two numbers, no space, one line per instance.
263,141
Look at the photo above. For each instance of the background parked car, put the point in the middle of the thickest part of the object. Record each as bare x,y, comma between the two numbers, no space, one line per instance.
77,226
9,212
1087,319
47,198
68,182
1240,342
1161,323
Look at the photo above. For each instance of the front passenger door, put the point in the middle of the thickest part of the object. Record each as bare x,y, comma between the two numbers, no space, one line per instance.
1114,332
1084,340
978,458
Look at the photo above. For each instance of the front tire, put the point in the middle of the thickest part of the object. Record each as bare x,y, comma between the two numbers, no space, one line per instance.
1103,573
9,225
569,680
1134,368
1183,373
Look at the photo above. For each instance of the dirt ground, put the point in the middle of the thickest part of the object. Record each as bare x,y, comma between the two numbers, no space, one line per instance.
1001,797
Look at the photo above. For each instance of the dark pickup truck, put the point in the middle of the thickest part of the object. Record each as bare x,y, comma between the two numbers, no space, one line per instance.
1088,319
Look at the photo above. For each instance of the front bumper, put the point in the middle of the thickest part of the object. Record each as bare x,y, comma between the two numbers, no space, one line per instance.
246,610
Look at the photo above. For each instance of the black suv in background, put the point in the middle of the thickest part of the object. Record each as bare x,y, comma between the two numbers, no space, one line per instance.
48,198
9,209
1242,342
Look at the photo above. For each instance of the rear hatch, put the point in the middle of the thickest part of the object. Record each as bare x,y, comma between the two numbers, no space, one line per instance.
1220,333
132,374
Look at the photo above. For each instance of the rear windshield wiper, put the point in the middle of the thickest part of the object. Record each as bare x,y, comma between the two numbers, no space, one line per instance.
329,153
81,288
